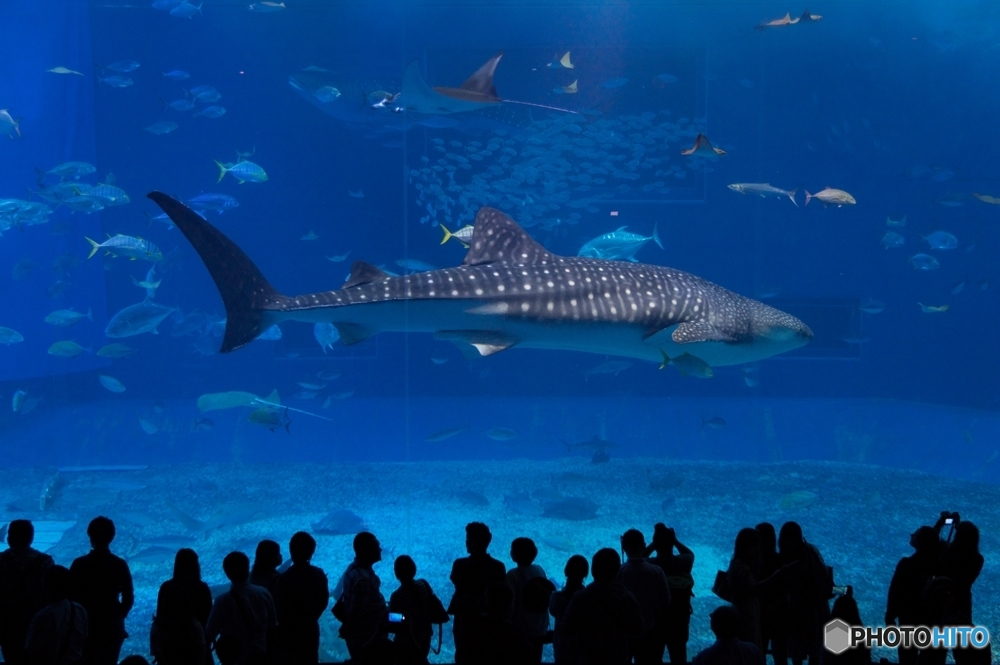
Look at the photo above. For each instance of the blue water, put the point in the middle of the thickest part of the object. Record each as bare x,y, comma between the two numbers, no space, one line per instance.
892,102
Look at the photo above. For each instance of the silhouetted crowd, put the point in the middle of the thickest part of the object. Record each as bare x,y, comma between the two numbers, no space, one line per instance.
777,586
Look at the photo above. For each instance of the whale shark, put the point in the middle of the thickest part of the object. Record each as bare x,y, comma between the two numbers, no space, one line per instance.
508,292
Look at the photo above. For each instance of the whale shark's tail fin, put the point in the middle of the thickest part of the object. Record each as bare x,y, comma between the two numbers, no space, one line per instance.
245,291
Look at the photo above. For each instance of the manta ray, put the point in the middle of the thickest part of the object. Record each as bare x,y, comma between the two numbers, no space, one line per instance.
509,292
476,93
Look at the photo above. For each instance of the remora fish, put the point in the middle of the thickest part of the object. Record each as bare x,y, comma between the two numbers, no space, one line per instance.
763,189
509,291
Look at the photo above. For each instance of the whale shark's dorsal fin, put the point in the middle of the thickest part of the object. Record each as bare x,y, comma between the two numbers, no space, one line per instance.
363,273
482,81
497,238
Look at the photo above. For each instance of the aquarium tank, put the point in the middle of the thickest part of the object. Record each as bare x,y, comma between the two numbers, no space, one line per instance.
563,267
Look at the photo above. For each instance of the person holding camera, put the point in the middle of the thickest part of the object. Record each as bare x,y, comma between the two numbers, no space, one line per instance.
673,624
413,609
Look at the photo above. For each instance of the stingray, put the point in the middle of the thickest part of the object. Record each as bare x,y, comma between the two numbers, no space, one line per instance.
703,148
476,93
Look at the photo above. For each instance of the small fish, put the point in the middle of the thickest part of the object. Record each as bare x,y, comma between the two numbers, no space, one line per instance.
243,171
148,426
443,434
148,283
67,317
142,317
271,334
115,351
688,365
715,422
924,262
211,201
501,434
561,63
763,189
985,198
830,196
10,336
415,265
895,221
117,81
360,194
111,383
8,124
133,248
211,112
202,425
206,94
959,287
326,334
267,7
312,386
891,240
462,235
703,148
872,306
162,127
310,236
271,418
176,75
614,83
941,240
123,66
66,349
17,401
328,375
63,70
184,104
337,258
185,10
933,309
618,244
72,170
778,22
952,200
611,367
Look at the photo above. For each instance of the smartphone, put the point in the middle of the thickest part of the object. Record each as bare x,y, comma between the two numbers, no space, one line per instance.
395,617
949,521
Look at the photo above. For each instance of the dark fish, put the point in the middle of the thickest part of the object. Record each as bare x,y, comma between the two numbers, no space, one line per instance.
574,509
339,522
470,498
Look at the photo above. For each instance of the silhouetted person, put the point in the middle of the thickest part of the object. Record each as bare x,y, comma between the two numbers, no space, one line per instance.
576,572
962,565
420,607
728,648
744,586
471,576
808,588
906,589
497,641
245,612
177,637
773,605
266,560
186,581
604,617
363,602
303,594
527,581
676,621
58,632
228,649
845,608
22,594
102,583
649,586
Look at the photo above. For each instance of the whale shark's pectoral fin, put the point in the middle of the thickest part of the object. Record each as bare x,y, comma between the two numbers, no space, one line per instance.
363,273
486,342
700,331
352,333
